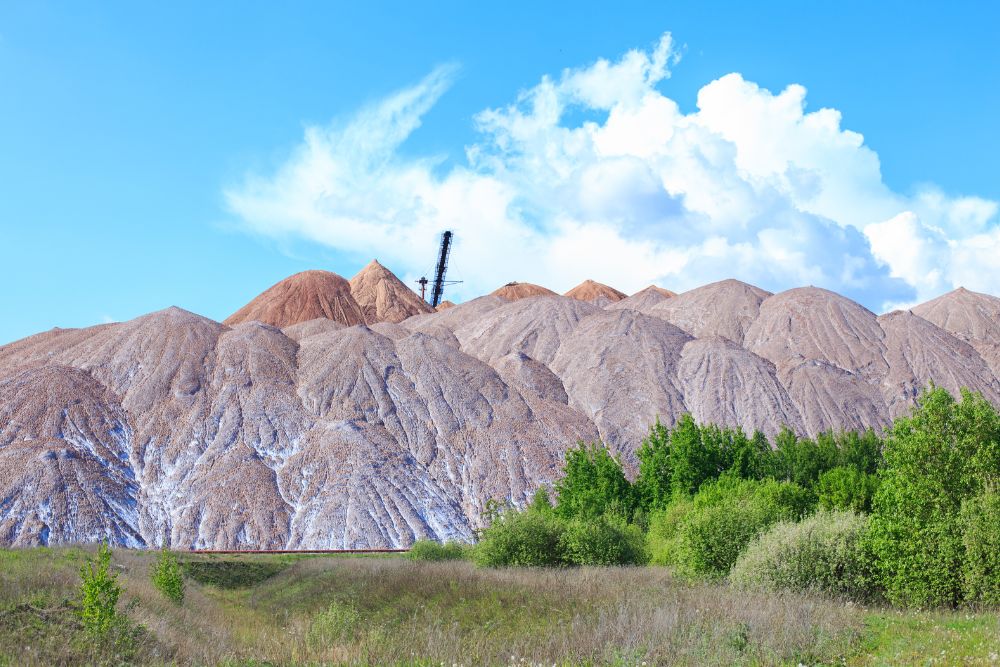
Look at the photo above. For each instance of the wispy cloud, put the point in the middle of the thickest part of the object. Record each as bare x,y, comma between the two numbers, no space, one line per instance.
749,185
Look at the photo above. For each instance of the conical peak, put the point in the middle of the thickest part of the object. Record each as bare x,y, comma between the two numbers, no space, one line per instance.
591,290
384,297
657,289
374,268
301,297
515,290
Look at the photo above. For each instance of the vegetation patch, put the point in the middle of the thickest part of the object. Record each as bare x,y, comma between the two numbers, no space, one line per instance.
821,554
232,573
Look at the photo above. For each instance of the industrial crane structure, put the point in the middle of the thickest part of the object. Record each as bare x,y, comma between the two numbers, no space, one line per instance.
437,288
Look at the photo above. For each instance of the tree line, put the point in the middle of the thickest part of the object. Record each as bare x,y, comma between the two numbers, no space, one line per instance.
911,517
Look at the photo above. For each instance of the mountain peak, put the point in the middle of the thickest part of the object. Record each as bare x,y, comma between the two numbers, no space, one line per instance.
513,291
593,291
302,297
383,297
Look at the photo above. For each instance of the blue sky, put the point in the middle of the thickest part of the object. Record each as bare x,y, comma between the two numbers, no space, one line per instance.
160,155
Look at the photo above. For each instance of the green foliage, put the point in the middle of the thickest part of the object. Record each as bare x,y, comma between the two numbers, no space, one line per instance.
168,577
677,462
801,460
860,451
652,486
823,552
695,455
99,594
606,540
664,528
336,623
945,453
541,502
846,488
232,573
521,538
431,550
981,537
594,484
747,458
805,461
727,515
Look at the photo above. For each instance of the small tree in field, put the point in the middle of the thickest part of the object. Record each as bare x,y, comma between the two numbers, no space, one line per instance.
168,577
99,593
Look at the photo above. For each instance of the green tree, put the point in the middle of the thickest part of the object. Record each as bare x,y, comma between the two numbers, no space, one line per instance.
745,457
802,460
861,451
846,488
695,456
540,502
99,593
945,453
168,577
594,484
981,537
652,486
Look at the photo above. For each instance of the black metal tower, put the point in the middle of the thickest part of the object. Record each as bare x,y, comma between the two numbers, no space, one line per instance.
442,267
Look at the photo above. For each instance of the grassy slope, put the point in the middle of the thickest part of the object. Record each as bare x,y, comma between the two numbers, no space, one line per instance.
286,610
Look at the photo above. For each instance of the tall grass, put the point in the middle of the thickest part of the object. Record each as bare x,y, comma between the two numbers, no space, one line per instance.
397,611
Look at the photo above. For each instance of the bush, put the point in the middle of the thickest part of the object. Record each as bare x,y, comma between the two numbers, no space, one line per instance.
335,624
168,577
99,593
664,528
727,515
822,552
981,537
606,540
431,550
846,488
946,453
521,538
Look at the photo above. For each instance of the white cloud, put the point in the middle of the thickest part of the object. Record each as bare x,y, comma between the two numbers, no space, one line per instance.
751,185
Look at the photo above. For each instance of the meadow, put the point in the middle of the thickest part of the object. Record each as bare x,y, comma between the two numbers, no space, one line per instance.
392,610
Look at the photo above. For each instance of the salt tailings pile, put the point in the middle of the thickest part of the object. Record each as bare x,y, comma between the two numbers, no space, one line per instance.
328,413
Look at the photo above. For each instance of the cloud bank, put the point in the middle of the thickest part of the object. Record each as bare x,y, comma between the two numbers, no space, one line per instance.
596,173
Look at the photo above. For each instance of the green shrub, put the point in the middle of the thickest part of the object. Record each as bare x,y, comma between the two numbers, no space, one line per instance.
521,538
99,593
946,453
232,573
727,515
606,540
336,623
823,552
168,577
846,488
431,550
664,528
981,537
594,484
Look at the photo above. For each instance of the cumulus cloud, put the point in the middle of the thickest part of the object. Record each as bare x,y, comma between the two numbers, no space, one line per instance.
750,185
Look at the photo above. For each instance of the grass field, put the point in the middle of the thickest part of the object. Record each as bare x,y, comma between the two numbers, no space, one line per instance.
293,610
